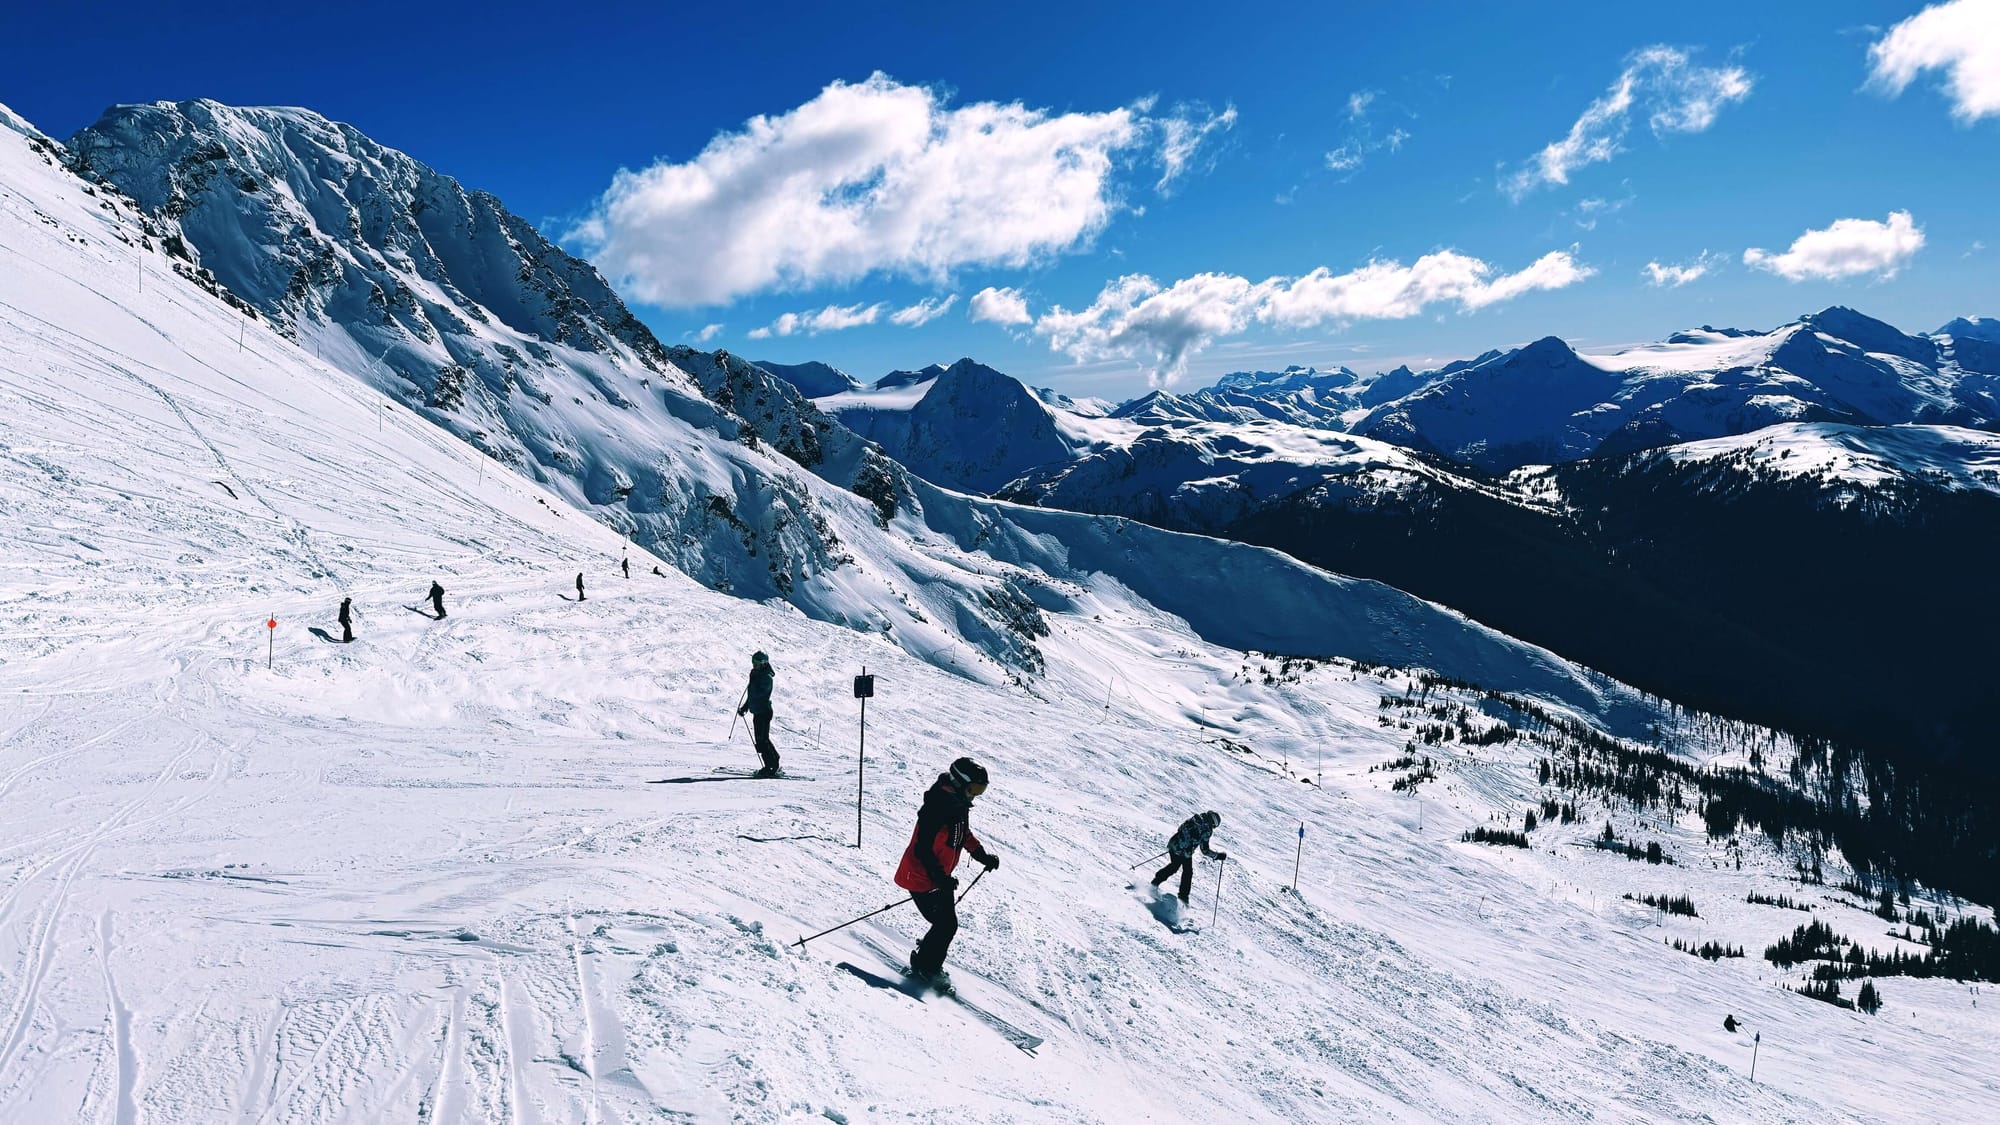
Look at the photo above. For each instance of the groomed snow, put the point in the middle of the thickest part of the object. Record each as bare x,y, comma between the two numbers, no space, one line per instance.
423,876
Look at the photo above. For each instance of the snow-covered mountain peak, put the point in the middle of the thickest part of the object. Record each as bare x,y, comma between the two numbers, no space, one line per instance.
813,379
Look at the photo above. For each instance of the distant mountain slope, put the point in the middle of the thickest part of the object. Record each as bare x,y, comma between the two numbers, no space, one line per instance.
965,426
813,380
1546,404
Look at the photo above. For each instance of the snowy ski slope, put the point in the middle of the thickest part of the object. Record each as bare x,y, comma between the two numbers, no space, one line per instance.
423,877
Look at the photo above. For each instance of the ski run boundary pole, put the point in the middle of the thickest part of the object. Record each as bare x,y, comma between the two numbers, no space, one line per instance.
1297,856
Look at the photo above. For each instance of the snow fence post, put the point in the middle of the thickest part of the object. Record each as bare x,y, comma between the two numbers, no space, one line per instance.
864,689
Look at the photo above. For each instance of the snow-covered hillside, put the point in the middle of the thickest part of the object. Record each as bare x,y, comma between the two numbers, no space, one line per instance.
423,876
1859,459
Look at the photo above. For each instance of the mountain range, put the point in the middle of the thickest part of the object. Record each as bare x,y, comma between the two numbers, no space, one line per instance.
1727,517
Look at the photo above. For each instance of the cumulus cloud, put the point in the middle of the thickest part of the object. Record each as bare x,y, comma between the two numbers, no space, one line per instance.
923,312
875,177
1162,327
1961,38
1661,82
1847,248
1001,306
1669,275
832,318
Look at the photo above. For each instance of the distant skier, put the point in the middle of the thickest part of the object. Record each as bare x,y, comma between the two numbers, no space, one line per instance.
579,585
437,599
1729,1023
926,871
626,566
656,570
757,703
1194,833
346,620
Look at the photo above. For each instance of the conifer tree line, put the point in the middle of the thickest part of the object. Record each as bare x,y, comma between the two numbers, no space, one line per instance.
1897,823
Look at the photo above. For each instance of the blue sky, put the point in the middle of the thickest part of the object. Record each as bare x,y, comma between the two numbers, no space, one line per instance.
1027,152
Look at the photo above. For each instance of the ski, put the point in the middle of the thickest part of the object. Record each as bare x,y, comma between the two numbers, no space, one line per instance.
915,987
737,771
725,777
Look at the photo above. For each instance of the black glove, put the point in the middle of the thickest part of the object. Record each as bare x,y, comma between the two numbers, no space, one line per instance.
991,861
948,883
743,710
1220,856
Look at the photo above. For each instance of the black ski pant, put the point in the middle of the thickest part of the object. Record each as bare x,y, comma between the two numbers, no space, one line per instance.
346,633
438,604
760,723
1185,865
940,909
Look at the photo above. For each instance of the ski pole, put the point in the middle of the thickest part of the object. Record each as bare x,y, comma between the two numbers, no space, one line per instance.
891,906
844,925
737,714
1144,862
1218,893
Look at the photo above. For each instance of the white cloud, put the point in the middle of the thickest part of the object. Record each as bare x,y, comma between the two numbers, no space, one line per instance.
1962,38
923,312
1845,249
875,177
1182,138
1346,158
1671,276
1161,328
707,333
1001,306
1676,96
832,318
1360,140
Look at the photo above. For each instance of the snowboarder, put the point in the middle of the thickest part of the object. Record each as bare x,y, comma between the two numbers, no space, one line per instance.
1194,833
437,599
757,704
346,620
579,585
626,566
926,871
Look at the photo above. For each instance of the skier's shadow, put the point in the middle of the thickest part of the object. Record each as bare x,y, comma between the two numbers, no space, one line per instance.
421,612
322,634
564,596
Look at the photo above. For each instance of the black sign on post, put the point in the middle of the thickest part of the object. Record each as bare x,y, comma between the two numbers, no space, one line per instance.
864,690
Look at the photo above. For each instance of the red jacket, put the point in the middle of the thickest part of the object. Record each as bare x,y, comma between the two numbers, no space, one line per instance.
943,831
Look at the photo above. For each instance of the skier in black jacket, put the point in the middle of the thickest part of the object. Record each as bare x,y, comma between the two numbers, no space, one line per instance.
943,831
757,702
1194,833
346,620
579,585
437,599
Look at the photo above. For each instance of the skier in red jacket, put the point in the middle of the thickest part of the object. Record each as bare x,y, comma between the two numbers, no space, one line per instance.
926,871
